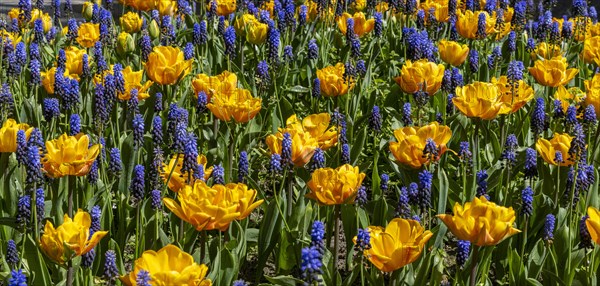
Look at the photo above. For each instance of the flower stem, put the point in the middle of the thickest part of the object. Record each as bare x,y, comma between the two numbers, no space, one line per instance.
290,200
71,187
336,242
70,274
473,279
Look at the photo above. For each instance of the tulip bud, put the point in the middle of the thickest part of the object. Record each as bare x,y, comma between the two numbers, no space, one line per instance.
125,43
154,30
88,10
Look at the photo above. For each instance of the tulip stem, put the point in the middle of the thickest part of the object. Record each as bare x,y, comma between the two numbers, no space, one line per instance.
71,187
290,189
473,279
336,242
202,245
70,274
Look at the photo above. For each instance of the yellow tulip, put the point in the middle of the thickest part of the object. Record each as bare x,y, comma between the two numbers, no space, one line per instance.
332,80
362,26
8,135
592,88
481,222
254,31
411,143
133,79
303,146
226,82
479,99
168,266
400,243
584,28
166,65
571,96
359,5
48,79
88,34
452,52
559,143
466,23
224,7
552,72
166,7
69,156
593,224
317,126
179,179
35,15
546,51
440,7
142,5
238,105
74,63
7,37
335,186
591,50
70,239
513,97
420,75
208,208
131,22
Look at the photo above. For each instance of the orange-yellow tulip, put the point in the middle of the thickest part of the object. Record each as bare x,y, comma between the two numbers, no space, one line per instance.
74,63
238,105
572,96
479,99
546,51
208,208
168,266
251,28
466,23
72,238
593,224
69,156
166,65
411,143
225,82
49,78
362,26
452,52
481,222
440,9
592,88
175,178
552,72
224,7
332,80
335,186
8,135
559,143
88,34
133,79
400,243
420,75
514,96
131,22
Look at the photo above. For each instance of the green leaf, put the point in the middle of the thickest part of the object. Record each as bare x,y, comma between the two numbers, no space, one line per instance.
298,89
284,280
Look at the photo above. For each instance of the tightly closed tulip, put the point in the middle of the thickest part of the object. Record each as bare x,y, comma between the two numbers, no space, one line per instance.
481,222
208,208
238,105
552,72
411,143
571,96
335,186
224,7
452,52
332,80
178,178
88,34
593,224
69,156
72,238
420,75
74,63
400,243
226,82
466,23
559,143
591,50
513,97
546,51
166,65
8,135
592,88
362,26
131,22
254,31
125,43
133,79
49,78
168,266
